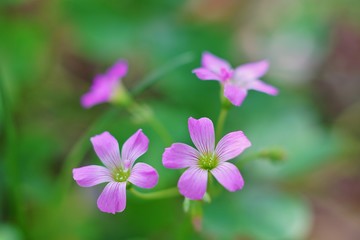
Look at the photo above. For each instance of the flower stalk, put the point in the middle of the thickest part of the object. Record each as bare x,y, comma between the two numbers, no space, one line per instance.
161,194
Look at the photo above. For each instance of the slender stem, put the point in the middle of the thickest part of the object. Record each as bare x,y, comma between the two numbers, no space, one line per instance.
247,159
144,113
78,152
275,155
161,130
220,122
156,75
166,193
225,106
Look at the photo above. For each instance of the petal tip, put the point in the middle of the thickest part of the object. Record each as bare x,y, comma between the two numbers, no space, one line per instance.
100,135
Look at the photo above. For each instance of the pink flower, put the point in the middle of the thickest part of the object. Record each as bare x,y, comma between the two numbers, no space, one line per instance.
118,171
206,158
105,85
236,81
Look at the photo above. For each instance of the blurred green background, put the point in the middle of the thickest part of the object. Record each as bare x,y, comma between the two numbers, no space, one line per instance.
50,51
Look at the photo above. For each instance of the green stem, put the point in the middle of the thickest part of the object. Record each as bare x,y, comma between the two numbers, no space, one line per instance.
220,123
142,113
161,130
78,152
166,193
275,155
181,60
225,106
247,159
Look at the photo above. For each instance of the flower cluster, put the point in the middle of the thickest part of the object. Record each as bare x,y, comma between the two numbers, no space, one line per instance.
120,170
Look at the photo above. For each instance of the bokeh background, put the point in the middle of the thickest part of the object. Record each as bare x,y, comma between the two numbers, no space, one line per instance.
50,51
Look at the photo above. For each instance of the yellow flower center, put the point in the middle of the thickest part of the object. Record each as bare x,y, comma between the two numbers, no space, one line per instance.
119,175
208,161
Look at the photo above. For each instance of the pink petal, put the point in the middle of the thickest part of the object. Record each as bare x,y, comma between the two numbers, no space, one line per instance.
232,145
180,155
202,134
229,176
134,147
192,183
214,63
113,198
100,92
235,94
144,176
263,87
107,149
205,74
118,70
89,176
251,70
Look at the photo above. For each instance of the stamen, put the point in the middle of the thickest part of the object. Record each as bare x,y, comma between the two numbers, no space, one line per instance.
208,161
120,175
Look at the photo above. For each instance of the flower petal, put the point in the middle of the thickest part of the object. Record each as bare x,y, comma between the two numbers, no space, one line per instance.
192,183
180,155
251,70
92,175
107,149
113,198
263,87
202,134
134,147
100,92
231,145
235,94
214,63
144,176
205,74
229,176
118,70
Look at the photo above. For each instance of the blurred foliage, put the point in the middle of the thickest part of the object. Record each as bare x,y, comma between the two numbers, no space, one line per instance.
50,51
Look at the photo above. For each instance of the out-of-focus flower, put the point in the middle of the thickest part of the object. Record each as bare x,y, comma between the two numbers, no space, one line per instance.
236,81
118,171
206,158
105,86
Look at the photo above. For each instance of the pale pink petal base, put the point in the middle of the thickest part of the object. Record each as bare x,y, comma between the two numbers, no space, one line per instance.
192,183
107,149
218,66
202,134
214,63
92,175
229,176
144,176
235,94
179,155
134,147
232,145
113,198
